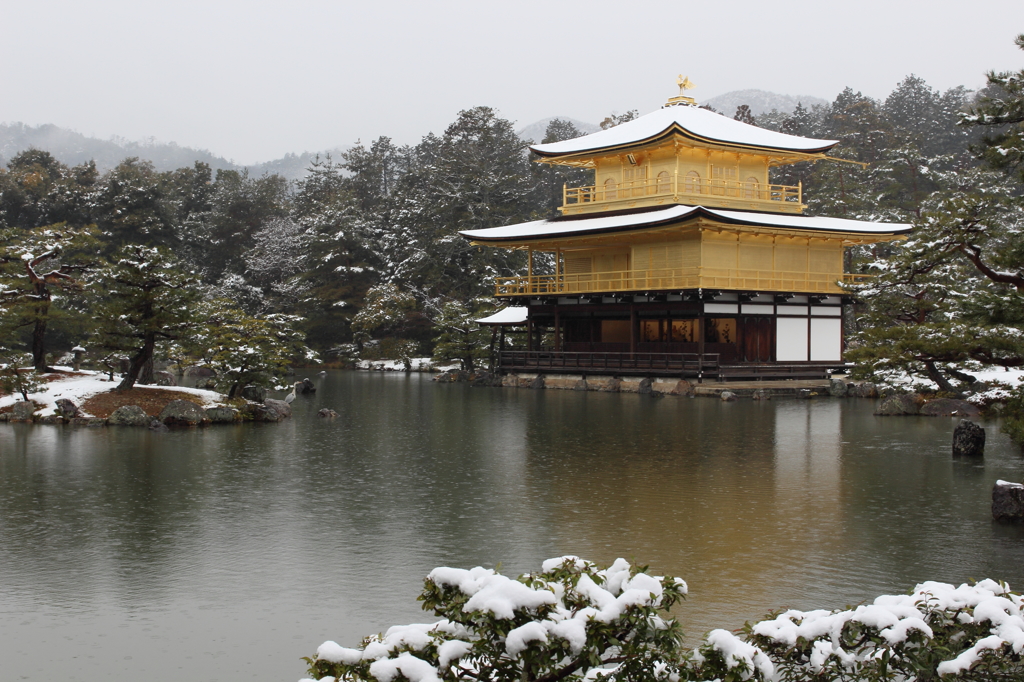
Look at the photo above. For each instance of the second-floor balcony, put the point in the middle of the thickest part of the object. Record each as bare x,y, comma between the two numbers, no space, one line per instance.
674,279
665,188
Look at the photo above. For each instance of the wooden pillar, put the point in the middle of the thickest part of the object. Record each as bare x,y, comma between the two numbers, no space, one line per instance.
529,333
700,337
633,328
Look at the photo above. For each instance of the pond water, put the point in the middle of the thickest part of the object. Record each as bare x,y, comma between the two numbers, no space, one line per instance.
228,553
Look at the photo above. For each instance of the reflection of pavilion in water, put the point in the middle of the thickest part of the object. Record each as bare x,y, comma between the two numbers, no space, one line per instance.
739,502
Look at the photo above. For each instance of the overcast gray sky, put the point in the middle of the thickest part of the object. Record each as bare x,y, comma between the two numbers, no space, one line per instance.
252,79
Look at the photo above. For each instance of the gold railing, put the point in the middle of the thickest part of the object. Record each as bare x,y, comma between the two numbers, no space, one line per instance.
681,186
673,279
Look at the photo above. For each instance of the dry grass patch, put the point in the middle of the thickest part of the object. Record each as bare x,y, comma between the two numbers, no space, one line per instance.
151,400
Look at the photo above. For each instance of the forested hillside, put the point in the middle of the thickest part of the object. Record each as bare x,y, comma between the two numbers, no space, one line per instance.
366,247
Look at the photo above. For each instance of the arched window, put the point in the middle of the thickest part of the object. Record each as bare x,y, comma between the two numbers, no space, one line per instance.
691,183
751,189
610,189
664,183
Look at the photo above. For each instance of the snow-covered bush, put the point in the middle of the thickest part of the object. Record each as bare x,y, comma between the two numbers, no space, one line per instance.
938,631
558,624
572,621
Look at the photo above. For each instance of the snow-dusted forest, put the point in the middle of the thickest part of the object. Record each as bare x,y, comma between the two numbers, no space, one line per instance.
362,255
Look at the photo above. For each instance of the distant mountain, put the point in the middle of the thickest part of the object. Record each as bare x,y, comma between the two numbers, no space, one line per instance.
74,148
535,131
760,101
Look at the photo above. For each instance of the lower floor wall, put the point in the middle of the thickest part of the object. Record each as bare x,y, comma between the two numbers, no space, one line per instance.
758,331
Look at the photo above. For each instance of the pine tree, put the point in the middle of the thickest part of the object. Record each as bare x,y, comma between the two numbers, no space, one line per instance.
37,266
550,180
459,337
1000,111
147,299
246,350
744,115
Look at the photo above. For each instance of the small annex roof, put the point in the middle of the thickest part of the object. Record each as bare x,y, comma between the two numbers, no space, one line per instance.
689,121
623,222
510,315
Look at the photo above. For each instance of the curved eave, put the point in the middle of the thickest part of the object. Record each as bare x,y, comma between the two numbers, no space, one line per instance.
676,129
831,226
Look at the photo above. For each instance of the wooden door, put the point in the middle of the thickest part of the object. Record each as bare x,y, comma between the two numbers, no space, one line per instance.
756,339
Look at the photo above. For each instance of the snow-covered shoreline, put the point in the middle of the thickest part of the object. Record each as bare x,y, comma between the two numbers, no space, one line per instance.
84,384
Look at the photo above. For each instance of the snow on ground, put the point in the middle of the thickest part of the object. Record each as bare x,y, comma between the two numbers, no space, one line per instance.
418,365
79,388
1001,380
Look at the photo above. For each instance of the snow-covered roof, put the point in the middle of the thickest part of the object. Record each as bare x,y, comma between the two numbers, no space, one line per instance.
690,121
572,226
510,315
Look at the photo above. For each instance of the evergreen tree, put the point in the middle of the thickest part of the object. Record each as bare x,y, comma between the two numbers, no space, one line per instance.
475,176
744,115
550,180
147,299
337,265
37,265
1000,111
132,208
245,350
38,190
459,336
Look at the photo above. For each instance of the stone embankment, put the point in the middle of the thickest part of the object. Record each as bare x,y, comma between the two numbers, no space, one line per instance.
892,404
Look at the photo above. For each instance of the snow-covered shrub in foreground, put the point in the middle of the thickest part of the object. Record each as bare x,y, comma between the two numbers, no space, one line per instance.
938,631
572,621
559,624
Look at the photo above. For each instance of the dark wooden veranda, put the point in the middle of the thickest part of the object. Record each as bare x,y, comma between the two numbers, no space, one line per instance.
683,365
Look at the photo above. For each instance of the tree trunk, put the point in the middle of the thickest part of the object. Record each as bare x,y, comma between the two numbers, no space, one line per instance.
140,359
935,375
39,340
146,375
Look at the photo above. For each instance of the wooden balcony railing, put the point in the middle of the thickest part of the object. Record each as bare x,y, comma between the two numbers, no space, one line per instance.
694,189
668,279
691,364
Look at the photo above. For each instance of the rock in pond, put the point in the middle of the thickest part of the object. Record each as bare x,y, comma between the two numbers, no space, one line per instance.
837,388
67,408
281,406
1008,501
683,388
22,411
306,387
183,413
254,393
327,413
157,425
223,415
129,415
949,407
968,439
901,405
727,396
269,412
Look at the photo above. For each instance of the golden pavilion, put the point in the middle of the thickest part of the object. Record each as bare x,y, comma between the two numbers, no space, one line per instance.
682,258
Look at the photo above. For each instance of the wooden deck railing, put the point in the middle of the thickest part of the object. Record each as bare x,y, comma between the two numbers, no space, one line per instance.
692,364
693,188
706,366
667,279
